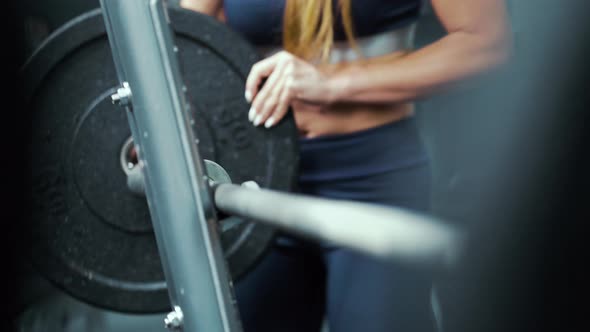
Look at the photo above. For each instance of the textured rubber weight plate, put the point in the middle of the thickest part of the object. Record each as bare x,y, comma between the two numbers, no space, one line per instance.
91,235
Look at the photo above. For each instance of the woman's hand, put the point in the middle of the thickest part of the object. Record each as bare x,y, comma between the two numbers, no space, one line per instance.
288,79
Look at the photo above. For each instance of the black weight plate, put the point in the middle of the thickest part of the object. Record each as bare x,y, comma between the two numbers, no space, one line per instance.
89,234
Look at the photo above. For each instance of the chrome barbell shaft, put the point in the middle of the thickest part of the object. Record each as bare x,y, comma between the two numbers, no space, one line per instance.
383,232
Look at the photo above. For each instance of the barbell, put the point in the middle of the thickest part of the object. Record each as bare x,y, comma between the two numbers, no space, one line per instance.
90,230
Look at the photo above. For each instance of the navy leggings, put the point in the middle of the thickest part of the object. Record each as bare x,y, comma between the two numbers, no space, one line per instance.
300,283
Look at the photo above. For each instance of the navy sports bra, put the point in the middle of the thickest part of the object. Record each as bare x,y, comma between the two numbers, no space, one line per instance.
261,21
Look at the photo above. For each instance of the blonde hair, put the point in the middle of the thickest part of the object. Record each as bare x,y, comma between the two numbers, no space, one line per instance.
308,30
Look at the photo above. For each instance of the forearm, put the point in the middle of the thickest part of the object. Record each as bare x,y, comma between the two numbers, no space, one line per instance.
408,77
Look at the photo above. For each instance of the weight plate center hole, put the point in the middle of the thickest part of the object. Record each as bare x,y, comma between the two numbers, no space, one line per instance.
129,156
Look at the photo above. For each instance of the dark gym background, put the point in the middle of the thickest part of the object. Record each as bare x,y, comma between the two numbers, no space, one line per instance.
510,163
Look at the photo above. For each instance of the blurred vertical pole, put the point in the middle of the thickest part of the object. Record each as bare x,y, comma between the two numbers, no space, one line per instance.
524,257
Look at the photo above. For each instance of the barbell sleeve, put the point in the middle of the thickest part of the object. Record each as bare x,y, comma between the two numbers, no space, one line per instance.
380,231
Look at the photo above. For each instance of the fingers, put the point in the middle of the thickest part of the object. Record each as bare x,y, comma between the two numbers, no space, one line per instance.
271,103
275,115
259,71
266,96
270,99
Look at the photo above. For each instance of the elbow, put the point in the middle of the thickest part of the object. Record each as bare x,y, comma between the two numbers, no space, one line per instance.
503,50
486,53
479,52
499,49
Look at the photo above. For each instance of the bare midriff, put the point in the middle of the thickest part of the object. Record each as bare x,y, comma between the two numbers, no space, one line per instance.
347,118
344,118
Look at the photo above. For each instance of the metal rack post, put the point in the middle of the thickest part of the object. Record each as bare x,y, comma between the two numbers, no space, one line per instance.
177,192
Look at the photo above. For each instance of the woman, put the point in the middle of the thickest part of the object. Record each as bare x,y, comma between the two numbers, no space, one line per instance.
347,71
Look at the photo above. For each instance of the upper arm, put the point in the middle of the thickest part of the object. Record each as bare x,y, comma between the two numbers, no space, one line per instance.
209,7
485,19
